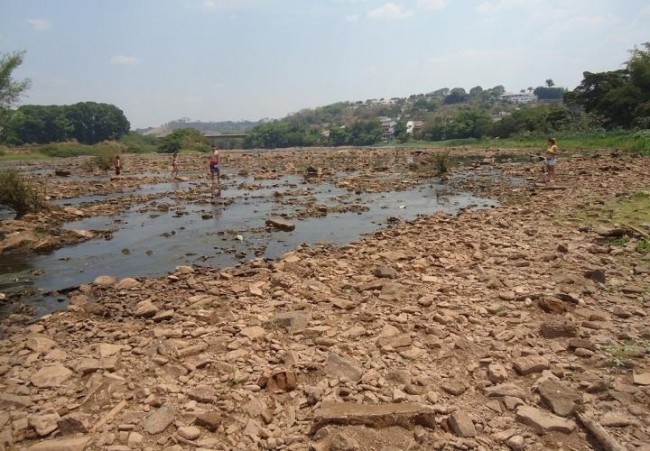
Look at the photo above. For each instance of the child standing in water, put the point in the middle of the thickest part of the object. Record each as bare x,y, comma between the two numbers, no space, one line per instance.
214,166
175,165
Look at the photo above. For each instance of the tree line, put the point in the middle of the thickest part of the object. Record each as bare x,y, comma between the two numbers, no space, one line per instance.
618,99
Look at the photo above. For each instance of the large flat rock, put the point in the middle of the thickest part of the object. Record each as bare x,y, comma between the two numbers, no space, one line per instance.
62,444
406,415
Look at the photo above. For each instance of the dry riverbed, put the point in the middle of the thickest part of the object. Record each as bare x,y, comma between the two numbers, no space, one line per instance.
519,327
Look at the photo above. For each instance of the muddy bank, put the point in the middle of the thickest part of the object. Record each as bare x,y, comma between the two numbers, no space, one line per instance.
519,327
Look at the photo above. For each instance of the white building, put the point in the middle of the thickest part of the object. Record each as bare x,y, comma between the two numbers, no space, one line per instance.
521,97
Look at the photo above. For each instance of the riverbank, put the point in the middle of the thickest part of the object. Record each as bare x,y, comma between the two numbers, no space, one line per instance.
493,329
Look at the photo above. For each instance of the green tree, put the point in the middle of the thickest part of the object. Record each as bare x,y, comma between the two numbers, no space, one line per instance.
184,139
93,122
38,124
621,97
365,133
457,95
400,132
10,90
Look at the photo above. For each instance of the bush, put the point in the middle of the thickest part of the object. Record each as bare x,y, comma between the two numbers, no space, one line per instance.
137,143
441,162
18,194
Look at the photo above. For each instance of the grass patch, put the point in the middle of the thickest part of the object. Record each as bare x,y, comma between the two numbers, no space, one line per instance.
642,246
18,194
633,210
636,143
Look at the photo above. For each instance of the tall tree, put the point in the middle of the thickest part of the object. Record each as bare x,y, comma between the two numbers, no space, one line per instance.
10,90
621,97
94,122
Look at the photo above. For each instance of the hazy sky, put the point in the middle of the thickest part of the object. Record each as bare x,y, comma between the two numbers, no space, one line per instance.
160,60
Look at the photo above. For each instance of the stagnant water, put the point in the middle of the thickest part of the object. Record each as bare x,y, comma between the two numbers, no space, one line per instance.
215,232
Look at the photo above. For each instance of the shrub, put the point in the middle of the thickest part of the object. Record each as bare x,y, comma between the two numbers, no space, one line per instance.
137,143
18,194
441,162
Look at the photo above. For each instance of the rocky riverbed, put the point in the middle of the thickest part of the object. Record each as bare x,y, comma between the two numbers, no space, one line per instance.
518,327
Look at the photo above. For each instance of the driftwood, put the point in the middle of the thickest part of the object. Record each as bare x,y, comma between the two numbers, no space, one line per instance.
605,439
562,296
110,415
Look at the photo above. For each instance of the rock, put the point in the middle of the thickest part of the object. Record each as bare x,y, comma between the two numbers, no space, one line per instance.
108,350
104,281
210,420
385,272
506,389
292,321
280,224
158,420
51,376
39,343
455,388
544,422
641,378
405,415
395,341
73,423
204,394
253,333
340,441
343,367
189,432
555,327
530,364
183,269
15,400
45,424
62,444
88,365
127,283
135,439
575,343
561,399
597,275
462,424
497,373
516,443
617,420
145,309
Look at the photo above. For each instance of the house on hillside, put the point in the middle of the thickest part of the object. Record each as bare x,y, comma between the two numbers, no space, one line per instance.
388,125
413,126
520,98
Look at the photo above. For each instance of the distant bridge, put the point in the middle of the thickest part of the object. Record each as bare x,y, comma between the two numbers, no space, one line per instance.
226,140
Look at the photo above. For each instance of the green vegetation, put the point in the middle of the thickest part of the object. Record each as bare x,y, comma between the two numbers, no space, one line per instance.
622,352
137,143
643,246
184,139
10,90
18,194
85,122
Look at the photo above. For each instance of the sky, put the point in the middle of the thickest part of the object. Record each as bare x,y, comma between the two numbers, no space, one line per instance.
218,60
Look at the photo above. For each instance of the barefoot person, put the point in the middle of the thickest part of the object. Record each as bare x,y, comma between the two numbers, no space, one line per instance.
175,164
551,160
214,166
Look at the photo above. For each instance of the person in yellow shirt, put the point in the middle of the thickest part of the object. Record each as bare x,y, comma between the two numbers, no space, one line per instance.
551,160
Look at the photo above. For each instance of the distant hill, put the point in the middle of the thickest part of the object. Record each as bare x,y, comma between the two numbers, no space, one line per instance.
224,127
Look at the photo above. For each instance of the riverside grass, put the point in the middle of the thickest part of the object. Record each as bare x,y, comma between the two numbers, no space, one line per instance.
637,142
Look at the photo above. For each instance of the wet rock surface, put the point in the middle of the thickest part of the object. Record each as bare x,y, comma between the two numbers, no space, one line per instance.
476,331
